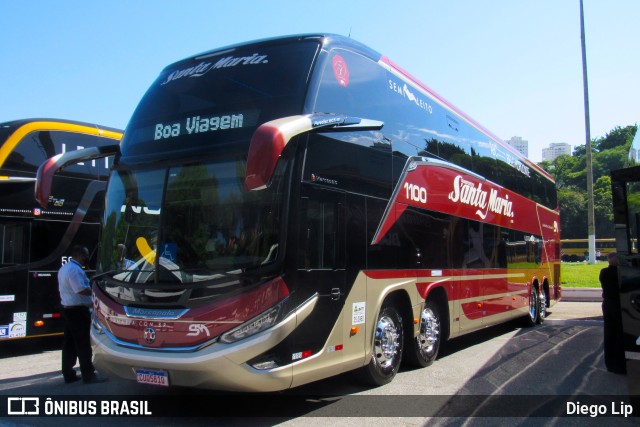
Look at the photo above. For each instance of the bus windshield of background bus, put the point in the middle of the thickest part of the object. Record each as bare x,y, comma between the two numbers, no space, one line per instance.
211,225
219,98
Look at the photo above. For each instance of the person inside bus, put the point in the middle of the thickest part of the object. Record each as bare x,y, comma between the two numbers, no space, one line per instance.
614,358
124,263
75,296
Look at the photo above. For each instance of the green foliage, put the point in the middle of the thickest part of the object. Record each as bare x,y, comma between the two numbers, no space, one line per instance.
602,207
618,137
573,205
608,153
610,159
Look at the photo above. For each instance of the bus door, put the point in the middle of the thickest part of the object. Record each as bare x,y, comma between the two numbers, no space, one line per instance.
321,271
470,288
495,298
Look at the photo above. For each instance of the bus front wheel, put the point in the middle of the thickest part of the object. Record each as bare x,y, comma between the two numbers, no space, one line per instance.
534,307
387,348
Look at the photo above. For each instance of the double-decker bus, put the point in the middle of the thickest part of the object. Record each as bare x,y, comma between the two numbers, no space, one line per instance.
34,241
299,207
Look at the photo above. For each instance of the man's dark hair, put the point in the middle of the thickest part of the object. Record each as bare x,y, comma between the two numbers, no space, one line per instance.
77,251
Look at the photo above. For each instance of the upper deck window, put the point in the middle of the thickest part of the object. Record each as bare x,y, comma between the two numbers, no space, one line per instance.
36,147
220,97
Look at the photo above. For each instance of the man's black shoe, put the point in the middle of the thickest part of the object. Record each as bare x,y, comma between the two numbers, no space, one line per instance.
94,379
72,379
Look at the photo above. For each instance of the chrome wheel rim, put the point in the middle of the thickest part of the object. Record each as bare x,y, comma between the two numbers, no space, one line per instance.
533,302
386,344
543,306
429,332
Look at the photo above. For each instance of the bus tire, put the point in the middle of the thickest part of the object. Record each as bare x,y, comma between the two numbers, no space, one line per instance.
424,347
534,307
542,308
387,348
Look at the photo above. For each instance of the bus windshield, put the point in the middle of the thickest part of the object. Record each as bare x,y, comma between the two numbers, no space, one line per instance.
188,223
218,99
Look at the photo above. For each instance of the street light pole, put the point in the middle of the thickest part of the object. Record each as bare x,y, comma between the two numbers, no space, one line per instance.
590,214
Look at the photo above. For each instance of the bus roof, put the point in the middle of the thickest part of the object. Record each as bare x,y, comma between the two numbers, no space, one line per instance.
12,132
329,40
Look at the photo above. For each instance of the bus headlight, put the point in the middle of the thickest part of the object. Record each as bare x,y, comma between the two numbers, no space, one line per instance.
259,323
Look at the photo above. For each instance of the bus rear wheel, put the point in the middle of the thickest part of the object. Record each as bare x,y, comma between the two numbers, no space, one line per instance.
424,348
387,348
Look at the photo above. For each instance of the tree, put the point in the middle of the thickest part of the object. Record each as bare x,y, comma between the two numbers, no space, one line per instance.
606,161
569,172
618,137
602,207
560,168
573,221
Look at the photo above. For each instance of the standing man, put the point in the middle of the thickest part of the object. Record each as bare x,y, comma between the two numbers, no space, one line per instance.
75,295
614,357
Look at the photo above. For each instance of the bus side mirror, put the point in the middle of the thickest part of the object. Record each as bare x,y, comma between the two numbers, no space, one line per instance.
46,171
270,139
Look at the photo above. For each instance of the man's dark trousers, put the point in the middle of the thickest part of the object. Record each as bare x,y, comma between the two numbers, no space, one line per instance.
77,342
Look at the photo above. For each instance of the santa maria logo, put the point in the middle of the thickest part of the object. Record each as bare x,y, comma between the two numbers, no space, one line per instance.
467,193
204,67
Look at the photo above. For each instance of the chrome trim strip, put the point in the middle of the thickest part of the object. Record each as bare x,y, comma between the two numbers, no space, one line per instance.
164,349
300,314
154,313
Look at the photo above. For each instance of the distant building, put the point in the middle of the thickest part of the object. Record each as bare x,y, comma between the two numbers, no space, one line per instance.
519,144
554,150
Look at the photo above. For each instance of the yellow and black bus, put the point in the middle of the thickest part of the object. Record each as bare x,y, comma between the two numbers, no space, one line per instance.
575,250
34,241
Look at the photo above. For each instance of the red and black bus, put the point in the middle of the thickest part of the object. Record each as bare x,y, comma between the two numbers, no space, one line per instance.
34,241
299,207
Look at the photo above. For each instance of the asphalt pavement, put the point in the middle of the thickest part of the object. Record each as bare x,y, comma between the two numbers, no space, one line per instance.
563,357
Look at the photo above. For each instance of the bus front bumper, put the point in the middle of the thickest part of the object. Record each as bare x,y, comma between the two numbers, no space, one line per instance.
218,366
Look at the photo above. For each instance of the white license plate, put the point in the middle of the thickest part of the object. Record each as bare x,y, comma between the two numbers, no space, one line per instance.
147,376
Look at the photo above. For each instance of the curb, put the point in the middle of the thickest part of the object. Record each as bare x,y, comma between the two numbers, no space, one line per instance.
582,294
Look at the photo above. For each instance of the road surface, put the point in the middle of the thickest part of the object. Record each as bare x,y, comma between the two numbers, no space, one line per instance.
505,375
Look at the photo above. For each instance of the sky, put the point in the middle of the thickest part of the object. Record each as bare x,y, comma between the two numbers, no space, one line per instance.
514,66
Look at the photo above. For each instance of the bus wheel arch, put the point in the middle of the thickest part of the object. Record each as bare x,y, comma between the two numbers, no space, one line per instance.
422,350
547,293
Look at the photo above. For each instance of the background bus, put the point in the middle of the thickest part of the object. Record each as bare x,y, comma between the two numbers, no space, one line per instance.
300,207
34,241
574,250
625,191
